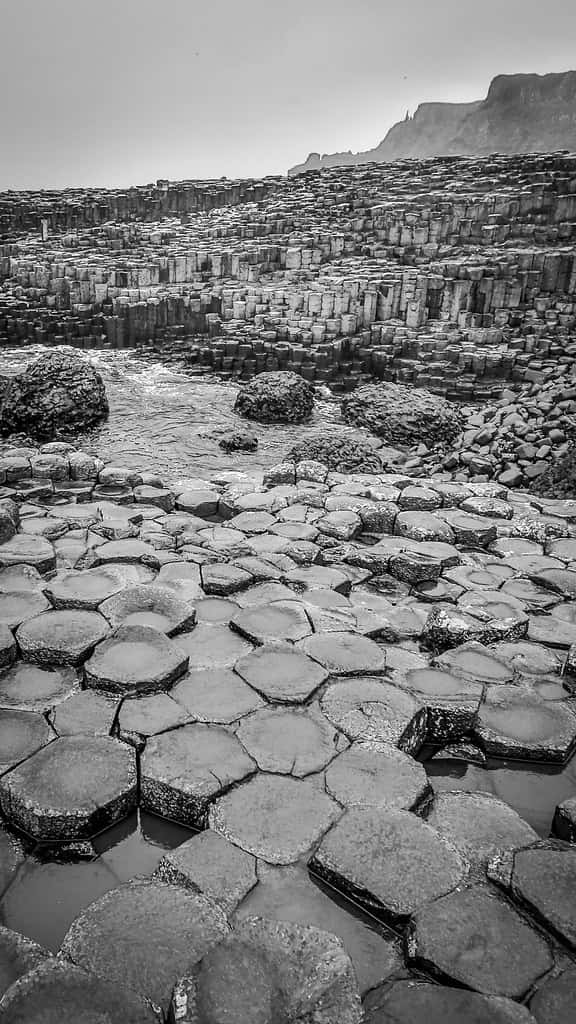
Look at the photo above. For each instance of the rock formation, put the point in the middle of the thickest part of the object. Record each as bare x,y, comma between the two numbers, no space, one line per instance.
276,398
521,114
402,415
57,393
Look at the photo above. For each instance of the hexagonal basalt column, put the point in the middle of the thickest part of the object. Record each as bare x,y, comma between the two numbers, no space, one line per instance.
278,621
475,939
542,878
22,733
275,818
135,660
72,788
513,722
145,935
377,775
149,605
216,695
29,688
17,606
290,742
84,589
281,673
345,654
420,1002
61,638
479,824
367,708
390,861
184,770
210,864
27,549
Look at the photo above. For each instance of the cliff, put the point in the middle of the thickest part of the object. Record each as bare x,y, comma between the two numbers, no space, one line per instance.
521,114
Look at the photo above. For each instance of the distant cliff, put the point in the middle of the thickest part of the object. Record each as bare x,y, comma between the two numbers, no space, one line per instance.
521,114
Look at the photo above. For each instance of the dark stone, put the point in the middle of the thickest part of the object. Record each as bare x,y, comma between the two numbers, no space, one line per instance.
402,415
56,393
18,956
283,397
418,1002
555,1000
339,451
238,441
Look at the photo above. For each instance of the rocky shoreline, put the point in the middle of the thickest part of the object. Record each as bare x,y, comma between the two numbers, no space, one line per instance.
263,661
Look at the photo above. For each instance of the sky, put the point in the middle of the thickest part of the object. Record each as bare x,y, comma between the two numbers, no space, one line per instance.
120,92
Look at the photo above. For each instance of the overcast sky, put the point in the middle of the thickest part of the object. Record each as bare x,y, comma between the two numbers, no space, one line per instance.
118,92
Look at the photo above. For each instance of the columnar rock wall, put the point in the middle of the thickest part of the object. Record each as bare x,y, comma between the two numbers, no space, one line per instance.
442,273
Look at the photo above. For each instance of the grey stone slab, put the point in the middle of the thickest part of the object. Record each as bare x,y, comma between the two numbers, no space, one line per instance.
210,864
281,673
345,654
61,637
368,708
479,824
135,660
212,646
275,622
371,774
22,733
290,742
411,1001
18,956
30,688
216,695
149,605
555,999
85,712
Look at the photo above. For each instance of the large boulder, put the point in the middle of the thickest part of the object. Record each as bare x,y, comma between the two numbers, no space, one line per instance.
402,415
57,393
282,397
339,451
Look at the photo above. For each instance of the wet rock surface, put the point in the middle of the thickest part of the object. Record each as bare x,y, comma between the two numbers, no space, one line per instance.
276,398
58,392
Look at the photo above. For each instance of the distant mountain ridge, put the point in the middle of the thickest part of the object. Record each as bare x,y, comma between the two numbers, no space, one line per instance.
521,114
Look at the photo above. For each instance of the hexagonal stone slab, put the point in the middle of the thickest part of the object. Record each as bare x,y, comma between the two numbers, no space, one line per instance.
212,646
61,638
478,824
555,999
149,605
223,579
184,770
173,927
318,577
281,673
72,788
514,723
130,550
475,662
85,589
17,606
278,621
146,716
136,659
272,971
11,856
290,742
373,709
527,658
58,991
216,695
391,862
475,939
28,549
85,712
419,1002
22,733
452,702
377,775
345,654
208,863
28,688
543,878
18,956
275,818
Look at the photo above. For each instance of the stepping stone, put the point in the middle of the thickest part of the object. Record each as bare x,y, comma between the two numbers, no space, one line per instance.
535,599
345,654
289,742
11,857
390,862
423,526
259,568
252,522
20,577
278,621
28,688
318,577
72,788
374,710
208,863
26,549
183,771
62,637
419,1002
564,824
527,658
22,733
59,991
18,606
149,605
514,723
132,574
160,497
371,774
542,879
216,695
198,503
216,610
125,551
223,580
282,674
479,825
174,926
86,589
272,972
295,531
562,581
555,999
288,894
343,524
474,662
451,701
44,526
265,593
85,712
547,629
472,577
494,508
8,649
135,660
146,716
273,817
474,939
18,956
414,567
471,530
182,579
212,646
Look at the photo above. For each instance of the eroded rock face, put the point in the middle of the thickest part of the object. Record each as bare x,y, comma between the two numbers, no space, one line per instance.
339,451
276,398
402,415
57,393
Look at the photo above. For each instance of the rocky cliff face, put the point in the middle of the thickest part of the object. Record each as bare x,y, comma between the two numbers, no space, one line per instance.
521,114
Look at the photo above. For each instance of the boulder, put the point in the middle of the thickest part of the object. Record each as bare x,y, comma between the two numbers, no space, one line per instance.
238,441
281,397
56,393
402,415
339,451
